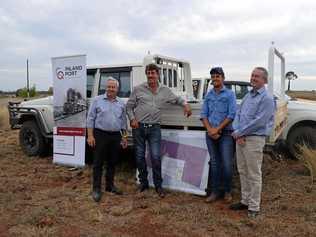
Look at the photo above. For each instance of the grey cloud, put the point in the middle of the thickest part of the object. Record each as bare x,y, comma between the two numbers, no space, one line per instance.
206,33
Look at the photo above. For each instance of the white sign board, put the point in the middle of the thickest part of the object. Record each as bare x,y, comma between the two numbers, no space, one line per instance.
184,161
69,82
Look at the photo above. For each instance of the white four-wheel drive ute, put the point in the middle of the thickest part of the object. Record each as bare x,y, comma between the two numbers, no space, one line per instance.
35,120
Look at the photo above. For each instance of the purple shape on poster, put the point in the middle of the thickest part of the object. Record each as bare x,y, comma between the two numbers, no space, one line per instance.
193,156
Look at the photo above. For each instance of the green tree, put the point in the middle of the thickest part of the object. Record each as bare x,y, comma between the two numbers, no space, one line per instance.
290,76
33,92
50,90
22,92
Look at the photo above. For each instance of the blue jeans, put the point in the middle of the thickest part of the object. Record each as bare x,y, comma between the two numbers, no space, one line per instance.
221,162
152,135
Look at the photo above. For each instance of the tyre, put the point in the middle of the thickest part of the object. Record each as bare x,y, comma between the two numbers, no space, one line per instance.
303,135
31,139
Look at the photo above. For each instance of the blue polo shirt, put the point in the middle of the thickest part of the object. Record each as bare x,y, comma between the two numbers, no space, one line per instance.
217,107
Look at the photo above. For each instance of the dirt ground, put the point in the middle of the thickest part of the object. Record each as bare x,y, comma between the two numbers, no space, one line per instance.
38,198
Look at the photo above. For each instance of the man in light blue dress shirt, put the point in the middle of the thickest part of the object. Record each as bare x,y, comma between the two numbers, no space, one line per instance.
106,124
252,125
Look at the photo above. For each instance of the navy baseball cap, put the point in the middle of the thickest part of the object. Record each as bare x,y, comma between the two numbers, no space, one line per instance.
217,70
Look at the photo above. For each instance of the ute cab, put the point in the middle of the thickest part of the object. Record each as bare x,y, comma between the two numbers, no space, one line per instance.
174,73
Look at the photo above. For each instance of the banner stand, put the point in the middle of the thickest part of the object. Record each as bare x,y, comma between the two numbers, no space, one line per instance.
70,107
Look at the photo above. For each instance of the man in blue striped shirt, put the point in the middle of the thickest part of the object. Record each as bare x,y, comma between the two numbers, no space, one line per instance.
106,122
252,125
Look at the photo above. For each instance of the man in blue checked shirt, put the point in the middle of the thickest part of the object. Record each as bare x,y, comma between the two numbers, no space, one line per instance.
217,114
252,125
106,124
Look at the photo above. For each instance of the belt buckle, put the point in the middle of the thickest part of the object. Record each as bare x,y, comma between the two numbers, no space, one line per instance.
147,125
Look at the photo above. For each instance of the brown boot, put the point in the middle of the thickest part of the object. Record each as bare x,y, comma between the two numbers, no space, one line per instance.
228,197
212,198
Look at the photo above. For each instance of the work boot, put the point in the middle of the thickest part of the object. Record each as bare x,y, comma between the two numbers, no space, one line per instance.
143,187
96,195
252,214
228,197
114,190
238,206
161,192
212,198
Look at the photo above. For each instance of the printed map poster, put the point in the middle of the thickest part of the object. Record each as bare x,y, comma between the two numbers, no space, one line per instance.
69,82
184,161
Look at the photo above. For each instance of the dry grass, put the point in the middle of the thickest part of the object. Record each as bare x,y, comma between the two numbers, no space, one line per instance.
308,156
4,117
38,198
41,199
307,95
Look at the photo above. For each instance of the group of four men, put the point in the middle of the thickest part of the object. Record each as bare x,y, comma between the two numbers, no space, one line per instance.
107,124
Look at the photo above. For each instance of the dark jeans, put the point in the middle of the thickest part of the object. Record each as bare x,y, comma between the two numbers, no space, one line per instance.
152,135
221,162
107,148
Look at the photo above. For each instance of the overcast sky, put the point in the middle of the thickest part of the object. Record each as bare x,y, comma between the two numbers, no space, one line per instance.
233,34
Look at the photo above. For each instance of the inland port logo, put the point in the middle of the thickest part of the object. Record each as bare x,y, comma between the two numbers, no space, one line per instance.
60,73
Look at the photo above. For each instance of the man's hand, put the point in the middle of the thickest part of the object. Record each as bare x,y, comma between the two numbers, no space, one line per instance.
241,141
134,123
91,141
187,110
234,135
214,133
124,142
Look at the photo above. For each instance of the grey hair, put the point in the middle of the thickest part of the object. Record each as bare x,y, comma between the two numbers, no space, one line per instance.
265,72
113,79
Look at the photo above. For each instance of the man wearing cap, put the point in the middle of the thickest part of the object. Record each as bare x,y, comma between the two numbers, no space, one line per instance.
106,124
144,112
217,114
251,127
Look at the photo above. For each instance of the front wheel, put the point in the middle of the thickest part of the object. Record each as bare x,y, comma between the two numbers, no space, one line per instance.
31,139
303,135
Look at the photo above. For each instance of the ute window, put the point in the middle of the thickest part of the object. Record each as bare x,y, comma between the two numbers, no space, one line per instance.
196,87
164,71
90,82
206,88
180,76
125,84
169,77
241,91
175,78
124,79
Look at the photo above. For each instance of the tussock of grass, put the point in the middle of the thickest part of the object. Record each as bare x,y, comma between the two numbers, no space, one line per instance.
308,156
